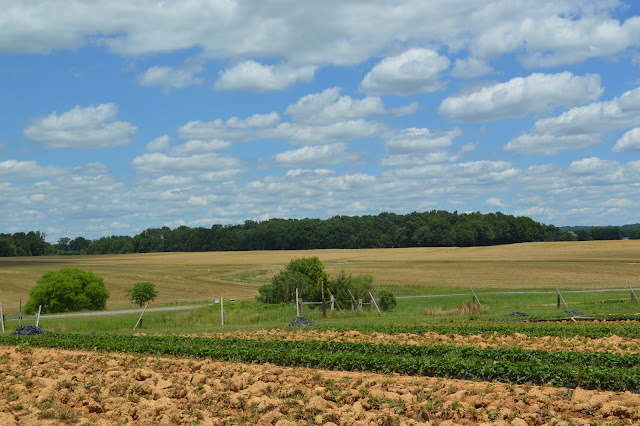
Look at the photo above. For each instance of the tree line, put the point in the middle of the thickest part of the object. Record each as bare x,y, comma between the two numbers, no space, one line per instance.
436,228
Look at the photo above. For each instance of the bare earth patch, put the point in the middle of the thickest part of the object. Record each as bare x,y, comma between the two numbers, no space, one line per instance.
47,386
613,344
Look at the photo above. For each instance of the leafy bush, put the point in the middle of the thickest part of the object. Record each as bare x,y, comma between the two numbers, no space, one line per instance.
307,275
142,293
68,290
387,300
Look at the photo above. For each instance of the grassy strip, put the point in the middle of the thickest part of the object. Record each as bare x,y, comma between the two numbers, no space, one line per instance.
564,329
587,370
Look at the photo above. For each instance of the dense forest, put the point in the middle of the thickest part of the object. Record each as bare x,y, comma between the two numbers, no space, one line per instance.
435,228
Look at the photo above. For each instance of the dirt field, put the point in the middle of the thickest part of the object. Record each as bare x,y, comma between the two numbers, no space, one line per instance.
42,386
189,277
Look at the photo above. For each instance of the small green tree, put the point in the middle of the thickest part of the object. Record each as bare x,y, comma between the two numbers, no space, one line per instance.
306,274
67,290
387,300
142,293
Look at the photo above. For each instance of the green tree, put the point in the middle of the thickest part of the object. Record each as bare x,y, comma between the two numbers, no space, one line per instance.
7,248
387,300
306,274
142,293
68,290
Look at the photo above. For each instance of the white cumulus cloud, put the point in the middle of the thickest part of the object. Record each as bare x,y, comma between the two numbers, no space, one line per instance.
629,142
521,96
579,127
414,71
470,68
315,156
256,77
81,127
160,144
419,139
173,78
329,107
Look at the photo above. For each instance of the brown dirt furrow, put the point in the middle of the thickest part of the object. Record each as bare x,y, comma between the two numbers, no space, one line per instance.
613,344
47,386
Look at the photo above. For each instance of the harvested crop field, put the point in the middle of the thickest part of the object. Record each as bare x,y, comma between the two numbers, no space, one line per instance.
47,386
194,277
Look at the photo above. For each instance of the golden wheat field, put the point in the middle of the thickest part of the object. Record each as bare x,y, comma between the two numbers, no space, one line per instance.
195,277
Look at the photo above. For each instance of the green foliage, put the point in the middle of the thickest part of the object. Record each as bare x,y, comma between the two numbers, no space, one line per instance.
307,275
142,293
387,300
68,290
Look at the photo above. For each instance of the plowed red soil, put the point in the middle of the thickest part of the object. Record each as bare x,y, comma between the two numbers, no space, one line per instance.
44,386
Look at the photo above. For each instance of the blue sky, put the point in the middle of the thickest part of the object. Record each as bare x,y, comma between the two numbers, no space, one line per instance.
118,116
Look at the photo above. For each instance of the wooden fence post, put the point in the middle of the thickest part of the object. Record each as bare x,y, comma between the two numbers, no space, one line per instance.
2,318
139,323
324,302
360,305
332,301
353,301
373,303
560,298
223,313
20,314
38,316
298,305
475,299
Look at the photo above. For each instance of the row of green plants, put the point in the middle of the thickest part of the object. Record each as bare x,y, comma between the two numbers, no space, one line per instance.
588,329
604,371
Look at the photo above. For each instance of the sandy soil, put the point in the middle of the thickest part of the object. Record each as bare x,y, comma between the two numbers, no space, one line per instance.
613,344
46,386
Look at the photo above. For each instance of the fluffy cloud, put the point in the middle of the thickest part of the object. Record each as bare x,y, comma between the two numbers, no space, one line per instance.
402,111
160,144
521,96
330,107
579,127
414,71
172,78
341,32
88,127
200,147
315,156
158,163
255,77
321,118
555,40
13,170
415,140
470,68
629,142
494,202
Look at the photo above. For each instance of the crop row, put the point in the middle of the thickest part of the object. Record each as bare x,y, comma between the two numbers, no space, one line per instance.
587,370
536,329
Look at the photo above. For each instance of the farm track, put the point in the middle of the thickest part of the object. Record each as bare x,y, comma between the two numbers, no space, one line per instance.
46,386
612,344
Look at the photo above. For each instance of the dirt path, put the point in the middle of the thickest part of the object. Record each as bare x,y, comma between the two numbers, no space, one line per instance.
614,344
66,387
